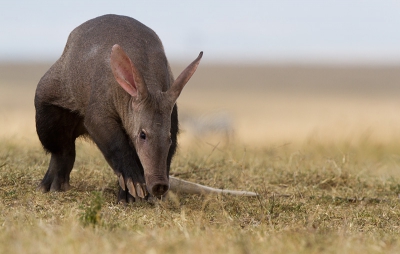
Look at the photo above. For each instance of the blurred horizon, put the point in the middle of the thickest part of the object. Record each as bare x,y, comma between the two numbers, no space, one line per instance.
252,78
229,32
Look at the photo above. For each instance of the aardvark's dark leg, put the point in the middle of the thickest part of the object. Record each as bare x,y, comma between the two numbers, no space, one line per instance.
57,129
116,147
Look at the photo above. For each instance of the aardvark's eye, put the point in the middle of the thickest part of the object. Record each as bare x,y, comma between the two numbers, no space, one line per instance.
143,135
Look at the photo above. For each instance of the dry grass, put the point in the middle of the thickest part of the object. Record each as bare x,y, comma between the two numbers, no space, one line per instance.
320,198
326,165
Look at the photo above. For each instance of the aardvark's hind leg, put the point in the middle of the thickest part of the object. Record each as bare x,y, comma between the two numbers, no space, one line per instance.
57,129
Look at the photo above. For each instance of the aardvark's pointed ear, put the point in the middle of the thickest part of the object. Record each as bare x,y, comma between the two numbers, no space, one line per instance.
175,90
127,76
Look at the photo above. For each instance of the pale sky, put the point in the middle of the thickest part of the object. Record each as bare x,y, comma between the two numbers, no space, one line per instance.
227,31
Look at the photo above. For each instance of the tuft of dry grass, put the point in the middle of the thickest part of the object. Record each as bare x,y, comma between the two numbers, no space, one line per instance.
316,197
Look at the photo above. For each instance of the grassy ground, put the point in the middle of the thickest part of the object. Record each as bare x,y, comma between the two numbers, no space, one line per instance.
326,165
315,198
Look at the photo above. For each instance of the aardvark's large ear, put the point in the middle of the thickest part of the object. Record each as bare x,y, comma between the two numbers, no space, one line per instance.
175,90
127,76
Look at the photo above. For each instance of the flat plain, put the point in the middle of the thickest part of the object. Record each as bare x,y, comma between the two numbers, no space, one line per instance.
320,144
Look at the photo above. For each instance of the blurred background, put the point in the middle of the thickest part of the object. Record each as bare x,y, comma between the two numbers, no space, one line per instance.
273,72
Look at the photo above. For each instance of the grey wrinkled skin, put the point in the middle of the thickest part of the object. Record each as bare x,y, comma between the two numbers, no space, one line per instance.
113,84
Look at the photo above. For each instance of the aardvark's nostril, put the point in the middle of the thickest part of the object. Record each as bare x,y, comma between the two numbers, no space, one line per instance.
159,189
